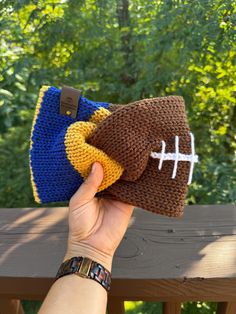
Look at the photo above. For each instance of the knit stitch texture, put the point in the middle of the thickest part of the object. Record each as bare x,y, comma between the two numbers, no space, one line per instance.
124,139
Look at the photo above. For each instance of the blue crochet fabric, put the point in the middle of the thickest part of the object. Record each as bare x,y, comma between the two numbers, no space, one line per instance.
52,175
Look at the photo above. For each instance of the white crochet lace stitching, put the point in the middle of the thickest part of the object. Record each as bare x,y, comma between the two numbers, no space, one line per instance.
177,156
163,148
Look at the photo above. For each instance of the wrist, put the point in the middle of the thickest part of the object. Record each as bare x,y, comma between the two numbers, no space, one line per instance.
85,250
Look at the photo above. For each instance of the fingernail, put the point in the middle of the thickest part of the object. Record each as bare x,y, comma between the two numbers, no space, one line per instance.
93,168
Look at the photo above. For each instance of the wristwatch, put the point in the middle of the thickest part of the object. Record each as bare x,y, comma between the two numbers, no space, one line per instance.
86,268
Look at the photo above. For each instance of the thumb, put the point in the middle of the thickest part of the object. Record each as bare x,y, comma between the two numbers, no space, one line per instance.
88,189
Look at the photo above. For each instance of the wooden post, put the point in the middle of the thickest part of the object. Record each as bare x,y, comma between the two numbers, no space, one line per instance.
11,306
226,308
171,307
115,306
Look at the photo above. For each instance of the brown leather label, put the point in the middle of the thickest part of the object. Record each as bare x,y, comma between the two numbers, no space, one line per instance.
69,101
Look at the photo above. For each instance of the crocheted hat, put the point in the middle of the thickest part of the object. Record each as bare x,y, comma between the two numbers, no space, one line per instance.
145,147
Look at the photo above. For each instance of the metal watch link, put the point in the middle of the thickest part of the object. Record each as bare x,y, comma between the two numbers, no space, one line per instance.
87,268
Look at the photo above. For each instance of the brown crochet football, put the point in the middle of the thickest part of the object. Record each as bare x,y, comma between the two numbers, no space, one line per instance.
132,135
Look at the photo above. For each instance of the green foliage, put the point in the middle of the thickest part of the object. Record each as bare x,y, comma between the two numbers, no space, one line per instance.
156,308
199,308
214,182
151,308
31,307
118,54
15,189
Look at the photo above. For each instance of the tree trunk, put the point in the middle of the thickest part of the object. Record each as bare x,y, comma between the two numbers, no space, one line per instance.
127,47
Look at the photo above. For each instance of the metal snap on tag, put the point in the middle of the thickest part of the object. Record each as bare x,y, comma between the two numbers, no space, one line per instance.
69,101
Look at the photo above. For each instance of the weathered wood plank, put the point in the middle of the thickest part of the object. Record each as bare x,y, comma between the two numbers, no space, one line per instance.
11,307
163,290
175,290
115,306
172,308
159,256
226,308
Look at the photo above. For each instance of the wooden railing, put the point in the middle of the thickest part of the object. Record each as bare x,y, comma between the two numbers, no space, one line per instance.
171,260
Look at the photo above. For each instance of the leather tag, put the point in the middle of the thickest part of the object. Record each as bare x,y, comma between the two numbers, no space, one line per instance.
69,101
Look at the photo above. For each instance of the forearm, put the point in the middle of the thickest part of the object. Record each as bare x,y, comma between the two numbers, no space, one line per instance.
76,295
73,294
96,227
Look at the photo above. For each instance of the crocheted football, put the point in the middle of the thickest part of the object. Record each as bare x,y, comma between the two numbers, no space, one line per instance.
145,147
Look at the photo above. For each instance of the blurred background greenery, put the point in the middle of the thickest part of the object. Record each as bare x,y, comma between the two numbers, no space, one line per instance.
120,51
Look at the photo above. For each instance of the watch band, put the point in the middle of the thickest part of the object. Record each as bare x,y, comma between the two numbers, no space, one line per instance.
87,268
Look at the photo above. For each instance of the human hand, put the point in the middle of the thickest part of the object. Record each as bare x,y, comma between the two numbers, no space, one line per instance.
96,225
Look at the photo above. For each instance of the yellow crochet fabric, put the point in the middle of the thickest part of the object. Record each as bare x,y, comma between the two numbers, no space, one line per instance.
82,155
40,97
99,115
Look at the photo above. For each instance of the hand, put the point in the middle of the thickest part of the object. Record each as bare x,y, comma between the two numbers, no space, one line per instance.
96,226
